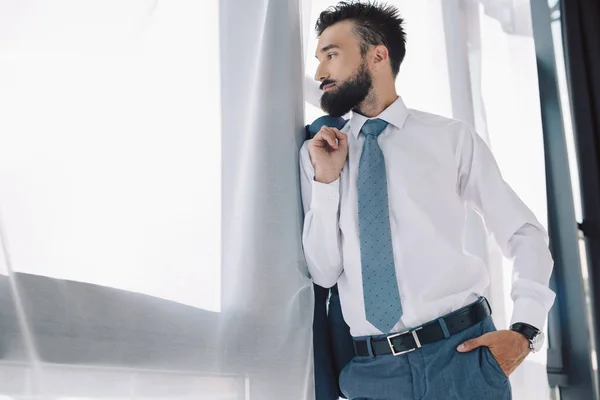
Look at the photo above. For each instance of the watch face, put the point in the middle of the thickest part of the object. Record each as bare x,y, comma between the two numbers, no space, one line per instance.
537,342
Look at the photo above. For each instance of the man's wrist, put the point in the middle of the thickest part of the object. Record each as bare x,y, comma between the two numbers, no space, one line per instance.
522,339
326,178
533,335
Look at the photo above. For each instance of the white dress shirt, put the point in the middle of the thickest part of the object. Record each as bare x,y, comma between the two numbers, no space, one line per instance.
436,167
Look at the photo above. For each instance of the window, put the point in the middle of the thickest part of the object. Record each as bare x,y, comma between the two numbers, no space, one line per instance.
110,167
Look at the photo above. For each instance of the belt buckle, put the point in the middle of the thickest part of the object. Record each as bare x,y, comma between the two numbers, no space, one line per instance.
415,337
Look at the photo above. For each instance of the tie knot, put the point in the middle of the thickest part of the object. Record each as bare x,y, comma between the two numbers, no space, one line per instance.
374,127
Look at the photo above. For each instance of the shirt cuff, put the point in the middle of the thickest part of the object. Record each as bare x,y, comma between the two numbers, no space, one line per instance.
325,196
529,311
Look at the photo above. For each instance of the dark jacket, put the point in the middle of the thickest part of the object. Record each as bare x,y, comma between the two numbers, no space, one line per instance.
332,341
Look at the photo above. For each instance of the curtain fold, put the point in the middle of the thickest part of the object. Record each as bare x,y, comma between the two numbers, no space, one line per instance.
265,281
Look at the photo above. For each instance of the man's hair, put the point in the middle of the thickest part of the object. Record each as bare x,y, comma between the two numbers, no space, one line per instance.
375,24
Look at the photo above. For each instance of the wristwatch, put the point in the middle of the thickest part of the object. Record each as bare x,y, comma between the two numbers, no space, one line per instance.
533,334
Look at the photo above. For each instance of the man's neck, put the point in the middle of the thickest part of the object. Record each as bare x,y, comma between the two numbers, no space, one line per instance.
375,104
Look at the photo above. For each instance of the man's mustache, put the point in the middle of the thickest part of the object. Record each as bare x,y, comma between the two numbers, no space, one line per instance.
325,83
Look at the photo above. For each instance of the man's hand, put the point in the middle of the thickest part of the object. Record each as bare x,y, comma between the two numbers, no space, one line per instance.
509,348
328,152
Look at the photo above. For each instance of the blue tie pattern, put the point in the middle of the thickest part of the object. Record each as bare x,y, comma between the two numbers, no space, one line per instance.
383,308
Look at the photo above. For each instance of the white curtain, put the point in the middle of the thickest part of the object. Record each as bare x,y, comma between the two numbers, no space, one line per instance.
149,201
475,60
150,214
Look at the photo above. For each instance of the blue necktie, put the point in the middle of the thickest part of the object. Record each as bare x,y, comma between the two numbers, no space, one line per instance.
380,287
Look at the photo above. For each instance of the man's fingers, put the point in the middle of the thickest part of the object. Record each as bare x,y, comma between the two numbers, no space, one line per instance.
336,135
332,136
328,135
339,134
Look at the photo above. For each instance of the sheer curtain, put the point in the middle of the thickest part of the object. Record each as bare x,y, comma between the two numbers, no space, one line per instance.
149,201
475,61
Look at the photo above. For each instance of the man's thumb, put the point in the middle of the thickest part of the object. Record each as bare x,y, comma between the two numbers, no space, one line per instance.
469,345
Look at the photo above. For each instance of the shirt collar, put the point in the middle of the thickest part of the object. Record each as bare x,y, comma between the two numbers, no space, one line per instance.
395,114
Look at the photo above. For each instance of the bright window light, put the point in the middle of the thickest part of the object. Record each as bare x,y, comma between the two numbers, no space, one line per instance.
110,155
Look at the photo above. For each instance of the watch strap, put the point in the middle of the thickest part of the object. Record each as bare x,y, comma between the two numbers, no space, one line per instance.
529,331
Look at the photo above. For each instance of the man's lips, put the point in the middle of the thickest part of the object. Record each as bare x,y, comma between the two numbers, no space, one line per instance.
328,86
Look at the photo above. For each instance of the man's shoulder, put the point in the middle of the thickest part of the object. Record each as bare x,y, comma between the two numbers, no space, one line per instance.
434,120
428,125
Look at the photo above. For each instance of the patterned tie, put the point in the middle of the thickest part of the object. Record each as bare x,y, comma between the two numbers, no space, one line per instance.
380,288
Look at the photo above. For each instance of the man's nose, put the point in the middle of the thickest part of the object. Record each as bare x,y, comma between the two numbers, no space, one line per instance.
320,75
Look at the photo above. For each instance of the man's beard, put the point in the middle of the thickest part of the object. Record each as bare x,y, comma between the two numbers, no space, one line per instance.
348,95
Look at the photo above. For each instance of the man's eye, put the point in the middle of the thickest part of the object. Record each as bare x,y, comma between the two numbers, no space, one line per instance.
330,56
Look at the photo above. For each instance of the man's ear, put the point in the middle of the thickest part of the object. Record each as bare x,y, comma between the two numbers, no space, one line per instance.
380,57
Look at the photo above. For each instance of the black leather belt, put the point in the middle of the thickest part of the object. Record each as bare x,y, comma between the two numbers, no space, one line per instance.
405,342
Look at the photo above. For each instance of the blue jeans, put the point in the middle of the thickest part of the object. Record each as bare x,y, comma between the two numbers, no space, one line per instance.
436,371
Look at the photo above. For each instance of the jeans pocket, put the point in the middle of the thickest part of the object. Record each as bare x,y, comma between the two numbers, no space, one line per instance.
491,360
487,327
490,370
